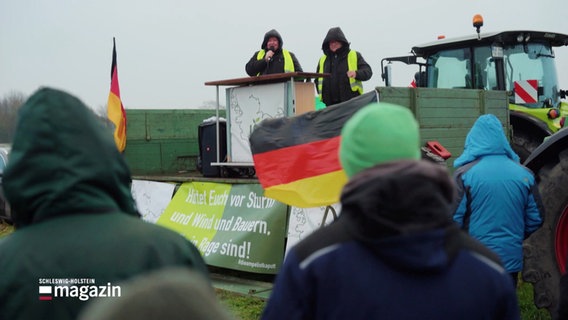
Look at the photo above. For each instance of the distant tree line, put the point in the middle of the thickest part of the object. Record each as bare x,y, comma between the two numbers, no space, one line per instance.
9,106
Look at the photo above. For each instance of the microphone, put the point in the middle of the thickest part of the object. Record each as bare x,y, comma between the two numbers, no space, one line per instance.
273,50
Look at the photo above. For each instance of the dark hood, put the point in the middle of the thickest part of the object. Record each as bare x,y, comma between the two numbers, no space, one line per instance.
335,34
63,161
268,35
402,211
486,137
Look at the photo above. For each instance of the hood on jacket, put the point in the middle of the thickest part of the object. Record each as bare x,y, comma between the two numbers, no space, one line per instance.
486,137
63,161
401,210
268,35
335,34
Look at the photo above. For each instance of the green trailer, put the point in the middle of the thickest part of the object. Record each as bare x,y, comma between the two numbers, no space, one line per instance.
446,115
163,144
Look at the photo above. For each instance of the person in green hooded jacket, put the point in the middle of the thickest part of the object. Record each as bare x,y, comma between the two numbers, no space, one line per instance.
77,231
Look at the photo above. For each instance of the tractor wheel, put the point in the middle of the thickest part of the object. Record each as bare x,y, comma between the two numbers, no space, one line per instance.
523,143
546,250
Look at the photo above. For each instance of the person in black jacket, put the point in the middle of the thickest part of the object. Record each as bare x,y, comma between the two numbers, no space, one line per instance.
272,57
347,68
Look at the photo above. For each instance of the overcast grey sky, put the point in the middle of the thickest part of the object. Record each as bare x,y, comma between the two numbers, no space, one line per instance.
168,49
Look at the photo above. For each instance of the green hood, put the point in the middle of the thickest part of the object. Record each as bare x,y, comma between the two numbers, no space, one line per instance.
63,161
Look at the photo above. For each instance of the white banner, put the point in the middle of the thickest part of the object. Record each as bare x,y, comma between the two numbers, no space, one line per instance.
152,197
304,221
247,106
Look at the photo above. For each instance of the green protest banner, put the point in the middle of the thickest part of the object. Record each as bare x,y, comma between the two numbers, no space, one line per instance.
233,226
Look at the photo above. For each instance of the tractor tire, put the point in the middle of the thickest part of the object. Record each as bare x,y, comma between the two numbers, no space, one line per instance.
523,143
546,250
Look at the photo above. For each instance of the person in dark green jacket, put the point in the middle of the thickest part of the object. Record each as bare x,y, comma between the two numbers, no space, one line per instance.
77,231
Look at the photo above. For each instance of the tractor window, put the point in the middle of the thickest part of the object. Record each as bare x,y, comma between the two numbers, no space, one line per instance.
485,74
450,69
533,61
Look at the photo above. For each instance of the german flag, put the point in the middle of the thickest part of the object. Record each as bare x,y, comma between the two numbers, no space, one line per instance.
115,109
296,158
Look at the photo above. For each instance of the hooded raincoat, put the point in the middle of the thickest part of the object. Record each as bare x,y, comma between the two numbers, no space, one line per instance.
75,218
256,66
393,253
498,201
337,88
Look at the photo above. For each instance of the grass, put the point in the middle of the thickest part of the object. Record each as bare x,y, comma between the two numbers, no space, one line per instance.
244,307
526,303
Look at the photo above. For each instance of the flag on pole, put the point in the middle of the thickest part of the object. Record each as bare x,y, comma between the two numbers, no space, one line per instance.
296,158
115,109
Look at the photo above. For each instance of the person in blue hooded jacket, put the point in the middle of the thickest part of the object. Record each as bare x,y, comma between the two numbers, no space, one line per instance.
394,252
498,201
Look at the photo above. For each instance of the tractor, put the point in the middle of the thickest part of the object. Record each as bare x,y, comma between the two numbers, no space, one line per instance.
521,63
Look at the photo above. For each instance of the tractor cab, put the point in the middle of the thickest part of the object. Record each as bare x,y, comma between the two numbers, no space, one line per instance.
496,61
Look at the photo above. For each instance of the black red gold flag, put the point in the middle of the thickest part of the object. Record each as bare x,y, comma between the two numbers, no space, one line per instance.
115,109
296,158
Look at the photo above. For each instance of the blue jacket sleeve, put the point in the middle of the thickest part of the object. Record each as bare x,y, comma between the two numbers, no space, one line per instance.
460,205
460,212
